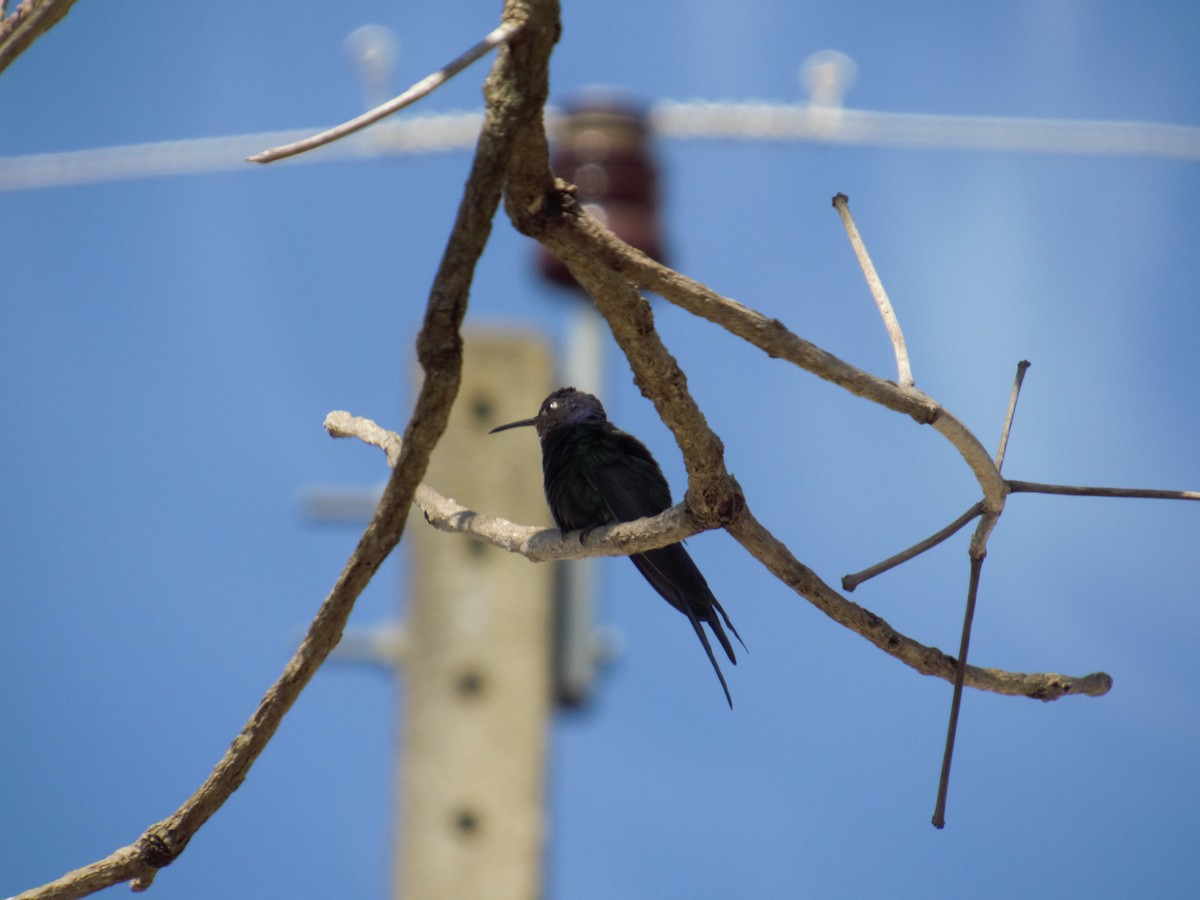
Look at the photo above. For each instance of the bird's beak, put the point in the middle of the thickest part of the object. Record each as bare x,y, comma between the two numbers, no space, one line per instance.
520,424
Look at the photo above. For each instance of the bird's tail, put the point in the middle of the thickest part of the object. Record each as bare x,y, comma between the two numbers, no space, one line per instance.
715,624
655,565
720,633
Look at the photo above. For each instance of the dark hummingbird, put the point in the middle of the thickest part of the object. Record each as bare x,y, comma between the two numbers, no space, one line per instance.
594,474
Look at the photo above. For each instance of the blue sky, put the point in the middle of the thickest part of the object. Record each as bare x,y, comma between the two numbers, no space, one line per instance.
171,346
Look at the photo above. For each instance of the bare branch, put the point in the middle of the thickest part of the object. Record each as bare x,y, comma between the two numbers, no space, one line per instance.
1033,487
341,424
1022,367
580,240
29,21
676,523
535,544
939,809
773,554
596,258
126,864
904,375
532,199
978,552
439,350
850,582
422,88
712,493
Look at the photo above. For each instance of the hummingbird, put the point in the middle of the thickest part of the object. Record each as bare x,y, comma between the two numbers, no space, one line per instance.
595,474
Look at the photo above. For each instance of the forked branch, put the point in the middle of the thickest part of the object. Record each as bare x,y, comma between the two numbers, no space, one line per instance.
439,350
540,544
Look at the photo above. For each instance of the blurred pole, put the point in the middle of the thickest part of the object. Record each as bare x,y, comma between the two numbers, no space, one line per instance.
577,646
477,693
601,144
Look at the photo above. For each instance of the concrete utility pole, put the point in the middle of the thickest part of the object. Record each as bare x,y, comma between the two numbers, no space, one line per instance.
477,668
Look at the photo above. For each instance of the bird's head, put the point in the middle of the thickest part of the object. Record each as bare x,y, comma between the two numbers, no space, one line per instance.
566,406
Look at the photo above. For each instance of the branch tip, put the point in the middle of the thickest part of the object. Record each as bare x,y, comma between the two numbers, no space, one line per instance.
904,376
421,89
1022,367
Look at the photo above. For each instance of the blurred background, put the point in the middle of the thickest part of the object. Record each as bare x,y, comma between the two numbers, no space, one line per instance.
170,347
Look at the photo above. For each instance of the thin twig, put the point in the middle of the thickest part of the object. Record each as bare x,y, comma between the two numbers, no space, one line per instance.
850,582
939,809
1033,487
1022,367
978,554
422,88
904,375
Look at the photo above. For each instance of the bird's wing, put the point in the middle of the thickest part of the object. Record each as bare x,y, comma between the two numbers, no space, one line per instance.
627,478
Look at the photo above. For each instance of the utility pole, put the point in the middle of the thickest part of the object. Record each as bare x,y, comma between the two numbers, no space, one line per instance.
488,645
477,666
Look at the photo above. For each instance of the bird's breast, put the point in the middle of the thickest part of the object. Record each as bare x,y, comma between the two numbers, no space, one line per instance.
567,465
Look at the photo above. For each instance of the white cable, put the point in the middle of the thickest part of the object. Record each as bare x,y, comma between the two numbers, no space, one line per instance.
818,123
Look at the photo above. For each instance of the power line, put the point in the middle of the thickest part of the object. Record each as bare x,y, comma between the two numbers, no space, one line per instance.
820,123
835,125
419,134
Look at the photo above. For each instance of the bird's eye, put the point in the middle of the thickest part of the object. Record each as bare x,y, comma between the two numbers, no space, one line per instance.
554,404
